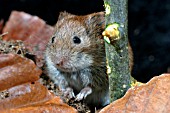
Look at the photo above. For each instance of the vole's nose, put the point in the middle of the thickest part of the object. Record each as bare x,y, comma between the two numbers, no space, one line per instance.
60,63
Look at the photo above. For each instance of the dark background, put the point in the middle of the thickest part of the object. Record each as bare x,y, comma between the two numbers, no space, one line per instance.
149,27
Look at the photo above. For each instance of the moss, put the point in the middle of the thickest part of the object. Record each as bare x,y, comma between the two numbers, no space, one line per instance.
117,51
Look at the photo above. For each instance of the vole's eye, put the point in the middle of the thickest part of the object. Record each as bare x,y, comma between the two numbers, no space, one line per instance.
52,39
76,40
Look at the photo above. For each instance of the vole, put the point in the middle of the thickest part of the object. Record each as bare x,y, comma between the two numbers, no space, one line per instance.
75,58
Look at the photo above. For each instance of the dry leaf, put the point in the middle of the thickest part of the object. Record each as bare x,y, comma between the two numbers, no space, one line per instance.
1,26
16,70
31,29
33,98
153,97
54,105
24,95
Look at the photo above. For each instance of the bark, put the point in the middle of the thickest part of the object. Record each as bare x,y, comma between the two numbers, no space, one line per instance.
117,53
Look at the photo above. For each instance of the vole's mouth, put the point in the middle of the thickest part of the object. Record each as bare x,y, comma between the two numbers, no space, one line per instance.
65,69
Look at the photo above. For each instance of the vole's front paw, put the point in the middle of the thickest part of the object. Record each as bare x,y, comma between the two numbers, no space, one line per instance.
83,93
68,92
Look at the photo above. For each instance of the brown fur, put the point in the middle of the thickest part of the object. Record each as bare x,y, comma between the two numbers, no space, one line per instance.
79,70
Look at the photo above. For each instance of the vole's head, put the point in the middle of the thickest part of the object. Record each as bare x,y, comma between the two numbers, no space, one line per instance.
77,42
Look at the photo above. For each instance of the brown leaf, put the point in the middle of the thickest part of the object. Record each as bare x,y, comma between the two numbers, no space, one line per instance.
33,98
153,97
54,105
24,95
16,70
1,25
32,30
22,26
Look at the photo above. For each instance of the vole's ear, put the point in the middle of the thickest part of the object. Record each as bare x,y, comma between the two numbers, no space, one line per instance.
96,19
62,18
64,14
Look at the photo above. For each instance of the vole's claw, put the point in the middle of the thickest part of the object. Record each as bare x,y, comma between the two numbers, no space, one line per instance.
68,92
83,93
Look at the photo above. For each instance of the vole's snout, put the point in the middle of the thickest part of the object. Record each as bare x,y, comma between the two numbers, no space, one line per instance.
60,63
63,64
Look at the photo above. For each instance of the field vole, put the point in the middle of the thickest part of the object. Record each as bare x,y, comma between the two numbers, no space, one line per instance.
75,58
